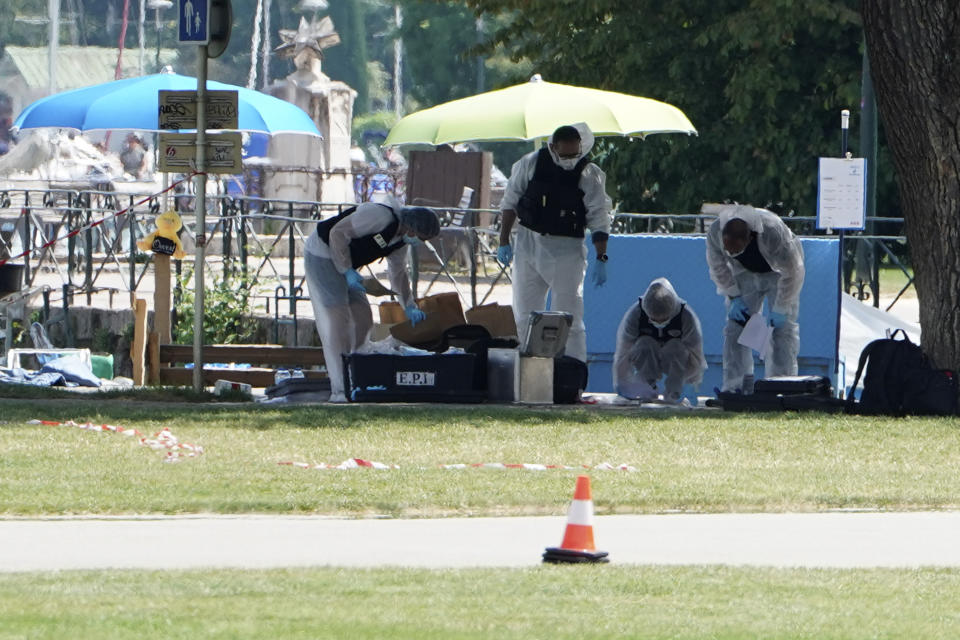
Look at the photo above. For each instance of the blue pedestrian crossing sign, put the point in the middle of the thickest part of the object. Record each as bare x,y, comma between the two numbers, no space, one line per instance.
193,24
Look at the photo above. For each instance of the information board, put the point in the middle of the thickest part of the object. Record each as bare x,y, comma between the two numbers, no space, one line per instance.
841,193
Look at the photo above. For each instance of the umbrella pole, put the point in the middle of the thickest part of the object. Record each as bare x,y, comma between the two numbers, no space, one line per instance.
200,228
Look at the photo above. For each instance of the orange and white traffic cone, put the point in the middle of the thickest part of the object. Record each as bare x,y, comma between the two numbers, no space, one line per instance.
577,545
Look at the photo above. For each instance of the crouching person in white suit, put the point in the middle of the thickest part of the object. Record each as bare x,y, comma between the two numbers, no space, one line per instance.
659,336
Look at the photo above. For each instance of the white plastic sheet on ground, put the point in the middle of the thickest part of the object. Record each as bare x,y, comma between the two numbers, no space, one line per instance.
861,324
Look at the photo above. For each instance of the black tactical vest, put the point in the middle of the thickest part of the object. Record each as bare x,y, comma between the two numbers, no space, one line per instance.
752,259
366,249
553,201
674,328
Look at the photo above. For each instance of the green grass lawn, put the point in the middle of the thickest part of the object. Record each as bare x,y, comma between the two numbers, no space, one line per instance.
892,280
580,602
711,462
686,461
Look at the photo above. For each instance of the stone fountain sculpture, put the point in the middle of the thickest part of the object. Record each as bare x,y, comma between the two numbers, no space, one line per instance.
307,168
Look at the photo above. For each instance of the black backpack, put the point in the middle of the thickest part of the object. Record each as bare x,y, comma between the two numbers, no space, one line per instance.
569,379
900,380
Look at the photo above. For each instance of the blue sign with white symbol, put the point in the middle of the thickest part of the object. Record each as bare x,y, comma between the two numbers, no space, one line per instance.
193,26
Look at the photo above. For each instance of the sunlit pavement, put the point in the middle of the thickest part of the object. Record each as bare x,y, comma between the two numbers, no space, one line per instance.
832,539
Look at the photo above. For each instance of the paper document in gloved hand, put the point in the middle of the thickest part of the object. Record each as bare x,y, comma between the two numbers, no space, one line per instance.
757,334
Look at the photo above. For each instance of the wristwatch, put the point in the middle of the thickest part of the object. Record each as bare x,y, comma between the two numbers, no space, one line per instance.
602,257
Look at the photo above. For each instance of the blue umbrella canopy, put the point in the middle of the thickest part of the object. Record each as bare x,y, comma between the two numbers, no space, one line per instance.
132,104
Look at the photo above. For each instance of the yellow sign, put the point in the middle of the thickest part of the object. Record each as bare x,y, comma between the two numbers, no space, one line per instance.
178,152
178,109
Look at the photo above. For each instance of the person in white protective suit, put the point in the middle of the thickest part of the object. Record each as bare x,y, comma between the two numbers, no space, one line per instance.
342,244
659,335
752,255
556,194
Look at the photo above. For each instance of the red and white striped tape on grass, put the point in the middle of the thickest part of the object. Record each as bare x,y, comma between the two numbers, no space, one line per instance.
358,463
163,440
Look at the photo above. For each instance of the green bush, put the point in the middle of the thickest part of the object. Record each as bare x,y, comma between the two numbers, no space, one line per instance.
227,305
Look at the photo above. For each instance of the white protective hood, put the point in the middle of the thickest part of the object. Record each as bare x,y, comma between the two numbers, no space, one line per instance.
586,142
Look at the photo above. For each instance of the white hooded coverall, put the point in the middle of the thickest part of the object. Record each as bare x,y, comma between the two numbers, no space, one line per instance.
342,314
781,288
556,264
645,359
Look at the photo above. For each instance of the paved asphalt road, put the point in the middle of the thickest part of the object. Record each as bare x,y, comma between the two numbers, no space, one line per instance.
778,540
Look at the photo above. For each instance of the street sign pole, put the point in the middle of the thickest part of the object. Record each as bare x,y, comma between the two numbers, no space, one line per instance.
206,23
201,224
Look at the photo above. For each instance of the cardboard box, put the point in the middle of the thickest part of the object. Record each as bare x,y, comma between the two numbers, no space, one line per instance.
495,318
428,332
443,311
391,313
448,303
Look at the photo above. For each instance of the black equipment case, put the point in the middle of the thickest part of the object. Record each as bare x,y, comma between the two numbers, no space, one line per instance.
428,378
792,385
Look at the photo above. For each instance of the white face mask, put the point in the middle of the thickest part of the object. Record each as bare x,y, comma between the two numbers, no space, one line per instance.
733,255
567,164
411,239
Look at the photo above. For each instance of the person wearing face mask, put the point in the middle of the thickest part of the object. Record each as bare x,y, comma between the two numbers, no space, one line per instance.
753,256
658,336
556,194
332,255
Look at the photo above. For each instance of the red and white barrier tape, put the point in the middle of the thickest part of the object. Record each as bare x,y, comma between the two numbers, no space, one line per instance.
350,463
357,463
96,223
163,440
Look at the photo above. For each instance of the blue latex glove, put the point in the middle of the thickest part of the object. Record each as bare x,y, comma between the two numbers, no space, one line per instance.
414,315
505,255
354,280
599,273
777,320
738,311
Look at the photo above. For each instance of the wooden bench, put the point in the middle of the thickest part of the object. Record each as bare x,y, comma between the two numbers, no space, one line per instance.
263,358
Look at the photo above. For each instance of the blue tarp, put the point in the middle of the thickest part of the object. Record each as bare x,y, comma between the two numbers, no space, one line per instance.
635,260
64,371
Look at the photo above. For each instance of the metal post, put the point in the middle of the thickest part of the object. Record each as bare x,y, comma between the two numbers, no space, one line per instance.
844,130
472,239
88,267
227,236
242,238
132,232
68,330
71,247
201,209
291,256
868,151
27,237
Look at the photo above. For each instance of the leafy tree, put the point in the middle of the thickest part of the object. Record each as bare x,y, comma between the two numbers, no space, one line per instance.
762,80
436,38
348,60
914,51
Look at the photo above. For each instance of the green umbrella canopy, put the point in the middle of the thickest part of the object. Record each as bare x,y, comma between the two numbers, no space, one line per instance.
534,110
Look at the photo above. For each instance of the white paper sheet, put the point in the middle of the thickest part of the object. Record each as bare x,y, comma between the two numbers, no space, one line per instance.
757,334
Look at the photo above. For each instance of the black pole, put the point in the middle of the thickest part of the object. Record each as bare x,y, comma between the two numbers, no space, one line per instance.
844,130
868,151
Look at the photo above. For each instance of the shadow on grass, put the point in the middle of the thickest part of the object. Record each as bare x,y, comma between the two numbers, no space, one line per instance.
183,403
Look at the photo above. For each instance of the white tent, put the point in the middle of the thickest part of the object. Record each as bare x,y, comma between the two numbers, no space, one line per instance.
860,324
